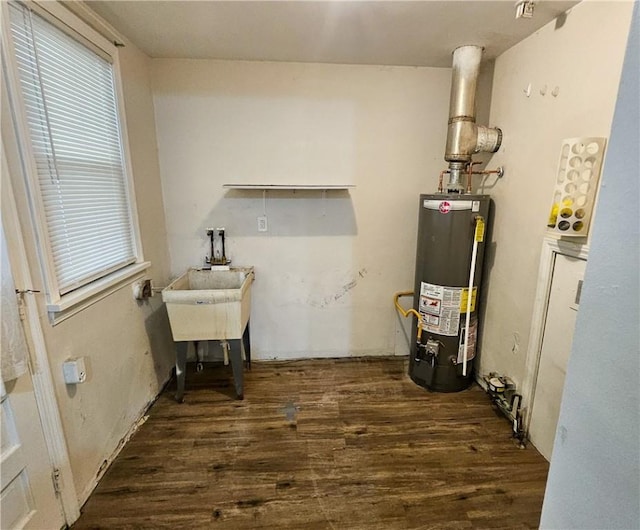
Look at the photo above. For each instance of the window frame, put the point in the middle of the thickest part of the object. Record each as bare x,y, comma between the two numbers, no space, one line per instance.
60,306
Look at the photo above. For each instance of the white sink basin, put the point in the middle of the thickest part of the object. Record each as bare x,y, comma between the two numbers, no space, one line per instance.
209,304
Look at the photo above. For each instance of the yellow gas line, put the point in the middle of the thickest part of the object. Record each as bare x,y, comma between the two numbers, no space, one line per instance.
406,312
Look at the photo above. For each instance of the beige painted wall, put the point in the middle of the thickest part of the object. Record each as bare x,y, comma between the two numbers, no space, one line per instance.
126,344
581,55
327,269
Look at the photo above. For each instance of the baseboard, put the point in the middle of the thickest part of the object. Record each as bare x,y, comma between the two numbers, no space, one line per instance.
141,418
326,354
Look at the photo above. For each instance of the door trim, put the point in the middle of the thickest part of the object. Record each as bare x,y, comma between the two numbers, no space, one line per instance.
38,359
551,247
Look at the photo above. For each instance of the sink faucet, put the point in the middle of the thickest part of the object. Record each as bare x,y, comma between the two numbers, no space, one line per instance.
217,256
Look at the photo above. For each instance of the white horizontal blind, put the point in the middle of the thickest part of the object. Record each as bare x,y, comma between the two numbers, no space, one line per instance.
69,95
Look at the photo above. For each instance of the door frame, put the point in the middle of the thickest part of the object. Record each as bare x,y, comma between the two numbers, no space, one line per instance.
39,368
551,247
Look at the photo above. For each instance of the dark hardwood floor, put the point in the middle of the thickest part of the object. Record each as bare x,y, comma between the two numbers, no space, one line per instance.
336,444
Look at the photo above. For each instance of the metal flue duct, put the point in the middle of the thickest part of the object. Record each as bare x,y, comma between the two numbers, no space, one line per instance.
464,136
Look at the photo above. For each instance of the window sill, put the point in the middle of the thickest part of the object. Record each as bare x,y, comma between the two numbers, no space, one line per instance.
80,299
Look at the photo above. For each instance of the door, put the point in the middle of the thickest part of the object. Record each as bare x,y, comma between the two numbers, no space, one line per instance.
27,498
562,309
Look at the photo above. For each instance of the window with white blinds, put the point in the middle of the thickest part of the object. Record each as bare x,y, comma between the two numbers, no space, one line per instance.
69,96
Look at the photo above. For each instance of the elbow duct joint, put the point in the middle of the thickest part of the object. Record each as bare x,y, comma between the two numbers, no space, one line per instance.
488,139
465,139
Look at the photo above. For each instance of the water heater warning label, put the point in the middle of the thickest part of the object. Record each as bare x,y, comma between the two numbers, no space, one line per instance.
440,308
473,336
465,300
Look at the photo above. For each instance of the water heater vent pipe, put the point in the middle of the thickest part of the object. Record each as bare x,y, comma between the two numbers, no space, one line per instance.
464,136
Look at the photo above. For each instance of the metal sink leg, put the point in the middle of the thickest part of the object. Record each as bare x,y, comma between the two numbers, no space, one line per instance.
235,355
181,366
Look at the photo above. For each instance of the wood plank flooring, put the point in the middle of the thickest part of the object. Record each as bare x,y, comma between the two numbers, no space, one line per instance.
326,444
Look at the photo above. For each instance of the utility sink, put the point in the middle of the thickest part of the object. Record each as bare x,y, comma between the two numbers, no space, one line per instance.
211,305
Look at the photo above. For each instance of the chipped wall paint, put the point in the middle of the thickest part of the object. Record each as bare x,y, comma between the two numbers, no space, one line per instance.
328,267
126,344
336,294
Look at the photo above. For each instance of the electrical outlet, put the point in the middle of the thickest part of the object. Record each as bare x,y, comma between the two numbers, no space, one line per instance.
262,223
142,289
146,289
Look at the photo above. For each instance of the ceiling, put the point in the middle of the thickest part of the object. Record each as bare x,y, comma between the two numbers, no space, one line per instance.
393,32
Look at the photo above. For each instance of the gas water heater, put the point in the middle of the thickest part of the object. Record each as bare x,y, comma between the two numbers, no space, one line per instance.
450,227
451,240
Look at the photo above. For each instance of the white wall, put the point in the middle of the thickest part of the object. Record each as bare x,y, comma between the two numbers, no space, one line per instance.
327,269
582,55
594,480
127,345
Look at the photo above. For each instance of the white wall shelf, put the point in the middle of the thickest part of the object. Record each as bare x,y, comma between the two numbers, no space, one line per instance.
265,187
